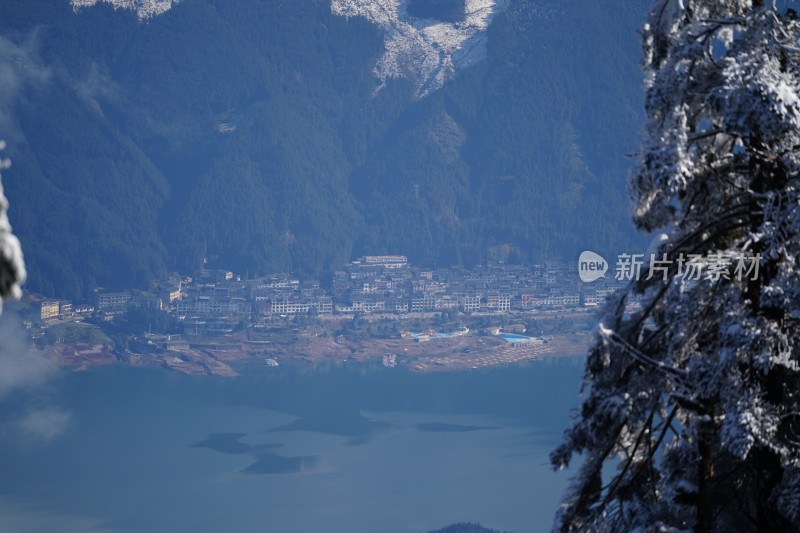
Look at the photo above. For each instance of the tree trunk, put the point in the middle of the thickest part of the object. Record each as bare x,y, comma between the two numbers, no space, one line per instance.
705,484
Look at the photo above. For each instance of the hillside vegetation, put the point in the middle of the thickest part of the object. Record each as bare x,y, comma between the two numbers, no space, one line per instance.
249,133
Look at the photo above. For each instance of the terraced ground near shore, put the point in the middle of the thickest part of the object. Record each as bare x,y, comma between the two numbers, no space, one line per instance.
218,356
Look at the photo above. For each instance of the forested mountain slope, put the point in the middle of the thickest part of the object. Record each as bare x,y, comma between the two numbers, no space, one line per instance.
251,133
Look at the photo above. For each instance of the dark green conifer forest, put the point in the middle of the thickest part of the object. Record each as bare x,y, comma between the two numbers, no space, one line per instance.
249,133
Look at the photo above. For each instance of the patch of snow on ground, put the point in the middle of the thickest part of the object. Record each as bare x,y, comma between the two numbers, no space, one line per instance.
145,9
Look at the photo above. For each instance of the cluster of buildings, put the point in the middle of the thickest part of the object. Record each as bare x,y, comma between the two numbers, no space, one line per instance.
368,285
63,309
390,285
109,304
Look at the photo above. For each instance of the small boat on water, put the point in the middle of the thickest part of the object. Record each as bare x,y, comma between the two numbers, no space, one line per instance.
271,361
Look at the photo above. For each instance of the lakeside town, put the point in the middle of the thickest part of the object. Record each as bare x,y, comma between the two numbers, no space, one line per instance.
377,307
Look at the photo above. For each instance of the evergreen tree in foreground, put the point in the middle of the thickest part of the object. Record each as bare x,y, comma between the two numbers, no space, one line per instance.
691,415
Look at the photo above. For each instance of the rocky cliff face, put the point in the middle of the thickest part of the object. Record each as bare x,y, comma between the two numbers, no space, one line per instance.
425,50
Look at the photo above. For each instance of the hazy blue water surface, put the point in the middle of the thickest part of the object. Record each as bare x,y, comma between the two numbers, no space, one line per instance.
295,448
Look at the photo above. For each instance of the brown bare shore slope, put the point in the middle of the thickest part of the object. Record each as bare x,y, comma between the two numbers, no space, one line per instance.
217,356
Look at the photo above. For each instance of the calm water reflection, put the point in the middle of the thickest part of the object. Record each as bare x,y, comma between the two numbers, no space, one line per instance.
295,448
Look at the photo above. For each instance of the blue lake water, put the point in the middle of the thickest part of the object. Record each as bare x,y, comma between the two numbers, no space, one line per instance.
350,448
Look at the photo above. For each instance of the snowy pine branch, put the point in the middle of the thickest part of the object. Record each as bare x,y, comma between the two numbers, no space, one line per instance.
695,397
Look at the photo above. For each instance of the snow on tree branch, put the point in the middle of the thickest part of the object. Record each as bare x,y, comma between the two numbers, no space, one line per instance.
12,266
696,399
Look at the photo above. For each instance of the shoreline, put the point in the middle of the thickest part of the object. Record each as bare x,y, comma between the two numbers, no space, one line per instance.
214,356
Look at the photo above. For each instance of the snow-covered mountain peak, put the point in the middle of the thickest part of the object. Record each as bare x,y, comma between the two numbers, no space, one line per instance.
425,50
145,9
